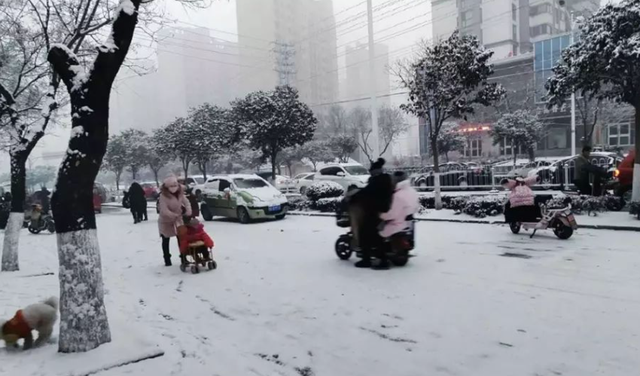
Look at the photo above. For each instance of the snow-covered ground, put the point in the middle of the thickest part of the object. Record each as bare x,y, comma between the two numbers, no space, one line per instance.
281,303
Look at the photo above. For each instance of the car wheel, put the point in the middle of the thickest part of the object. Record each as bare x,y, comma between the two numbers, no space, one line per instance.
626,195
280,217
243,216
206,212
303,190
422,185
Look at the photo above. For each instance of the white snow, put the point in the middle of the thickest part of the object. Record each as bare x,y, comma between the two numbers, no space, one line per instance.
77,131
281,303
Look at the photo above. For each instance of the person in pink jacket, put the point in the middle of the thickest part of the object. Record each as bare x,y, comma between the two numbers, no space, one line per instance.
404,203
172,205
522,206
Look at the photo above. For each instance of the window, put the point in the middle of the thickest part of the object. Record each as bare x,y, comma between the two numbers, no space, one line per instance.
310,177
250,183
557,138
621,135
224,184
330,171
514,12
465,18
540,9
356,170
212,184
514,32
507,149
543,29
473,148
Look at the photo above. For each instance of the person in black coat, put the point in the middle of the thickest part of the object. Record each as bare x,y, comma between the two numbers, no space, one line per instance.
138,202
365,207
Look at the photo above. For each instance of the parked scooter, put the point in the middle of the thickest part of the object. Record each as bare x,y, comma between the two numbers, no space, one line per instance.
562,221
40,221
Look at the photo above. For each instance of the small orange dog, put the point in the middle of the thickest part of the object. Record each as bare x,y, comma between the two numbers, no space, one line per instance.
39,317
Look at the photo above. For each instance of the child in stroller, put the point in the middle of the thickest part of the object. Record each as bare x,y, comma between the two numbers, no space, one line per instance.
195,247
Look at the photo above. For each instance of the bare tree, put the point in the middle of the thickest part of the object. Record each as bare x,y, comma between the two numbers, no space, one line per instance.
593,111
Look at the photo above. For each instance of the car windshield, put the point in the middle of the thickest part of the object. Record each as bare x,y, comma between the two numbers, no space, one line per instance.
356,170
249,183
199,180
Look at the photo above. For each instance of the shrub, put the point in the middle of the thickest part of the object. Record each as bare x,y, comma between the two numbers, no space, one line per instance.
324,189
327,205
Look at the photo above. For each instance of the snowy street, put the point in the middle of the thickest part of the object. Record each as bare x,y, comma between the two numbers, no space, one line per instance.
281,303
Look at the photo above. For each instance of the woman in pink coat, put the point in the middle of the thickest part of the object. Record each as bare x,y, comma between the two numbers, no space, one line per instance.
172,205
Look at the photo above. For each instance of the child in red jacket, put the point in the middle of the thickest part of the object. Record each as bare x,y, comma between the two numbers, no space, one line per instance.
191,233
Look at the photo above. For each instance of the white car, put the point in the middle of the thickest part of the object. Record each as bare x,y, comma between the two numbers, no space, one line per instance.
304,181
244,197
347,175
282,183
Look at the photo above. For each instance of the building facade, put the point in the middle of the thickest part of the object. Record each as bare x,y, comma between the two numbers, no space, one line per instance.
300,39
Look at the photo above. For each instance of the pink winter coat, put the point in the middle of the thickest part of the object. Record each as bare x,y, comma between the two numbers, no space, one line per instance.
170,210
521,193
404,203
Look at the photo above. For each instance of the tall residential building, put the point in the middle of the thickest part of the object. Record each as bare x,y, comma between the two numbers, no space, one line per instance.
192,68
507,27
358,81
298,40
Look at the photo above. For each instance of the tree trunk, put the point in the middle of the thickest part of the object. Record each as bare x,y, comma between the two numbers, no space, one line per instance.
436,173
532,154
274,156
446,156
203,169
134,173
635,195
155,175
118,174
515,154
16,217
185,168
83,317
229,168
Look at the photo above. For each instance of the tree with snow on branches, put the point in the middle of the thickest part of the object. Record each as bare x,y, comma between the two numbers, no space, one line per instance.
603,65
446,81
522,128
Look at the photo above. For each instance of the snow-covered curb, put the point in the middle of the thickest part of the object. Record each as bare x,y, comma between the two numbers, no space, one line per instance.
492,221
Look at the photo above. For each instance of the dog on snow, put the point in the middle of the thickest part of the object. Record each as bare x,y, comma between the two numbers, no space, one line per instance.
39,317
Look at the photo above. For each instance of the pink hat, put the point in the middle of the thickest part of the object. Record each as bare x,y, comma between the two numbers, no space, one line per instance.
170,180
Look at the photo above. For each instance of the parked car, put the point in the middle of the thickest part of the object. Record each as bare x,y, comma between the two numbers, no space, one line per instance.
454,174
303,181
243,197
524,170
557,175
192,180
282,183
348,175
151,191
624,176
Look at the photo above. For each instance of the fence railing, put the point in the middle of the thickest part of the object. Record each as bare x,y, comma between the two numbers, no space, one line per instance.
560,178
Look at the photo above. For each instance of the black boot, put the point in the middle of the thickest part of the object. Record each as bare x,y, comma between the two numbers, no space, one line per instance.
183,259
167,261
382,265
364,263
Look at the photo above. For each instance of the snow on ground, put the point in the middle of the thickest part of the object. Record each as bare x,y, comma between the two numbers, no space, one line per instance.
281,303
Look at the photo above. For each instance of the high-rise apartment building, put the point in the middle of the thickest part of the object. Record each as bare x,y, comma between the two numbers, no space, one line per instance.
300,39
507,27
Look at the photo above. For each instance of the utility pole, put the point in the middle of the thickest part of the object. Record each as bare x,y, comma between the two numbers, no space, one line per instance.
285,62
372,82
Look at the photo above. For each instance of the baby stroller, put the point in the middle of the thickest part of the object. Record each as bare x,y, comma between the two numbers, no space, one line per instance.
397,247
196,255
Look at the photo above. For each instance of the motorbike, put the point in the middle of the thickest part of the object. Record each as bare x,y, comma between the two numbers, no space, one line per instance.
561,221
397,248
40,221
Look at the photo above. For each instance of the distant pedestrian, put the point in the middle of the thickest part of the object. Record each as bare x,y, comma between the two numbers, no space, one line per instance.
172,206
137,202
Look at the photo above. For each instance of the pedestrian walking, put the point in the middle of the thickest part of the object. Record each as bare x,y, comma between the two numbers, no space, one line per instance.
172,206
137,202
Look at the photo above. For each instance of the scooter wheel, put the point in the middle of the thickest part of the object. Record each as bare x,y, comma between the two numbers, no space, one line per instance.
563,232
401,259
343,247
515,227
34,230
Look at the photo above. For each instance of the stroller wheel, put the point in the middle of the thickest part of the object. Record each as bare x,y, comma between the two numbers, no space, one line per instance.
343,247
212,265
194,269
183,268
